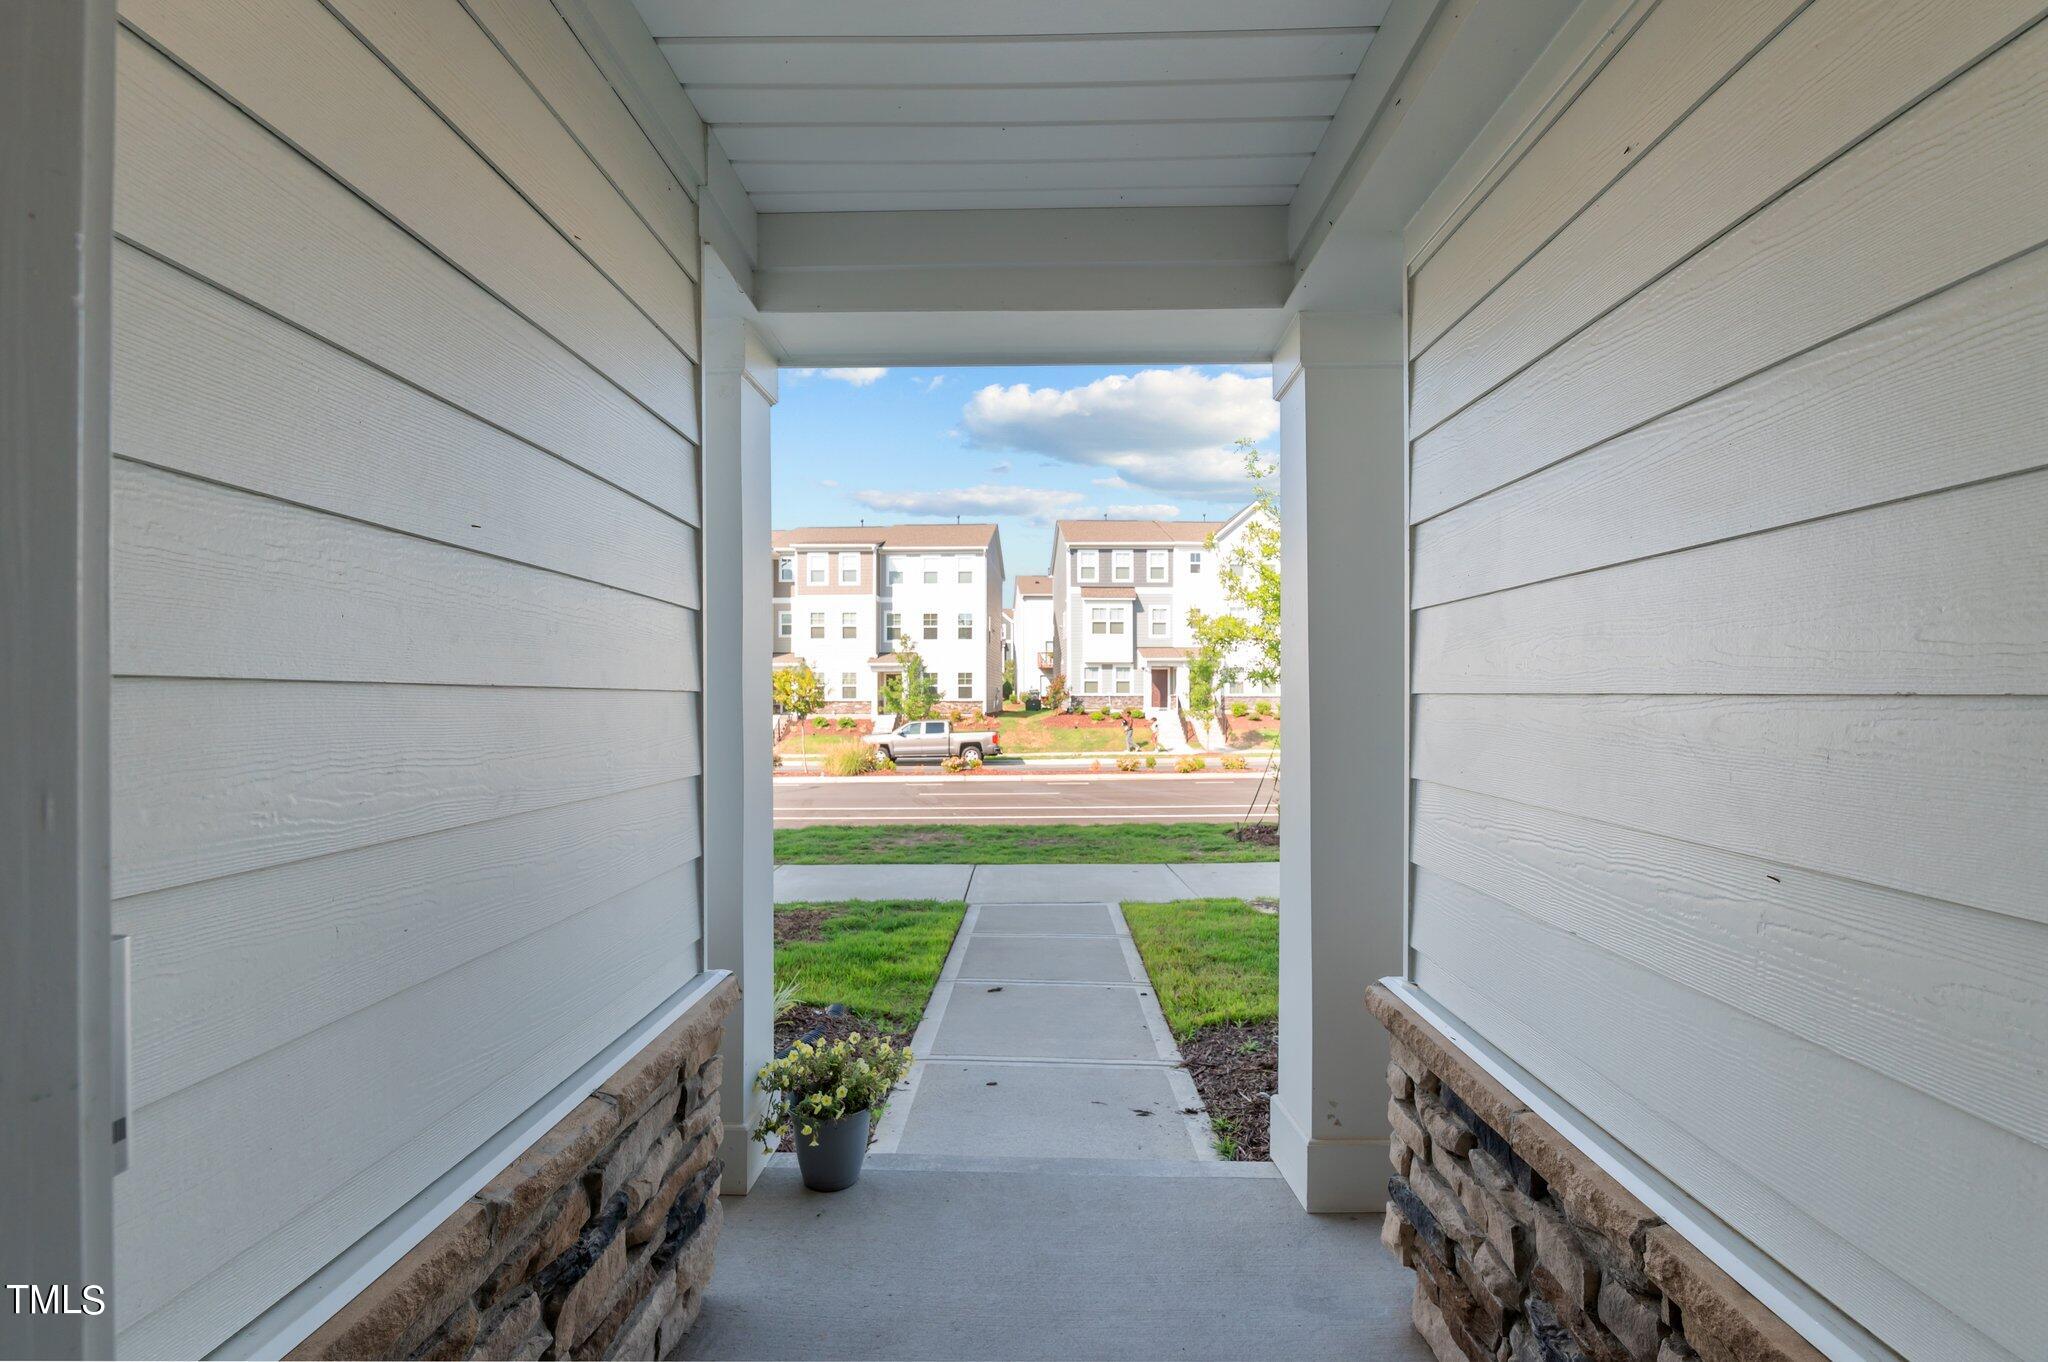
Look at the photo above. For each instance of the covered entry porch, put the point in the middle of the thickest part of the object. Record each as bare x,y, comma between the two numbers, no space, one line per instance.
388,413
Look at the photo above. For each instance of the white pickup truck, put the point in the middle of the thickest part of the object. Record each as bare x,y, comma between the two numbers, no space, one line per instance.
932,740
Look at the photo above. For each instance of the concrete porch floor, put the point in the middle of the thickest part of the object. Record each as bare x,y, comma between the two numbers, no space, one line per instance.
938,1257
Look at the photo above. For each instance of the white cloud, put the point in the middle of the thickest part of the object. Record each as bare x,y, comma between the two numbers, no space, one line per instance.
1111,481
1031,503
828,482
931,385
1150,510
1169,430
859,378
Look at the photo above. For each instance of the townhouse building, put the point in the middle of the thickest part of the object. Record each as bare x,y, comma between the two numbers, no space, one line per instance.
1031,633
846,597
1119,596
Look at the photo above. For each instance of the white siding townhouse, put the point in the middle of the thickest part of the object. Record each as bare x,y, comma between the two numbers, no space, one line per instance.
846,597
1120,593
1031,634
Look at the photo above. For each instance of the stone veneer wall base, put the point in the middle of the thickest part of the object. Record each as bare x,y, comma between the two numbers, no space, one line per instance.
596,1242
1524,1249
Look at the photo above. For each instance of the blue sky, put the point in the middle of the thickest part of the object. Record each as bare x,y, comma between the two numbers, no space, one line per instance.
1019,446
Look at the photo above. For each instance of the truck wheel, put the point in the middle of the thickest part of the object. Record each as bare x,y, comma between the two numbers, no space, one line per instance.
885,754
971,752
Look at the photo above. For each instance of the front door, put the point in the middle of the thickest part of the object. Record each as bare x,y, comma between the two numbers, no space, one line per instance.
1162,686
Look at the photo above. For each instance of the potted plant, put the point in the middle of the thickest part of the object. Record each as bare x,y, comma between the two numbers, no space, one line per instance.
826,1097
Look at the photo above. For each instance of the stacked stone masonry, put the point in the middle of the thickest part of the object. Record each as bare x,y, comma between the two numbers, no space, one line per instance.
594,1243
1524,1250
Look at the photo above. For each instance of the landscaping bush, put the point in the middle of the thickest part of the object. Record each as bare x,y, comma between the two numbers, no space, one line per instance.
849,723
884,764
1100,716
1127,763
1238,709
952,766
849,761
1186,764
1235,763
1152,763
1264,709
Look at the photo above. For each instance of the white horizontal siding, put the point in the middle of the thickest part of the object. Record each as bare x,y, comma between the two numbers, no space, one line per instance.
1730,656
405,592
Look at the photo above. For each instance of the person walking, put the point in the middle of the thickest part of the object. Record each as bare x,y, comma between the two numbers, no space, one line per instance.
1130,735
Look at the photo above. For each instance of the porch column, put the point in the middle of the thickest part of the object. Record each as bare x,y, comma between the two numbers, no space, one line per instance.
739,812
1343,821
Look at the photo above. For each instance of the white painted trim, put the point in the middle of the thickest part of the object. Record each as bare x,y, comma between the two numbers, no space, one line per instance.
1804,1309
1565,68
56,1113
286,1324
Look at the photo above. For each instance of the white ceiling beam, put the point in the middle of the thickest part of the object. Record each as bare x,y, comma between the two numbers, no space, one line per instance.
800,61
1182,172
1270,97
749,144
993,18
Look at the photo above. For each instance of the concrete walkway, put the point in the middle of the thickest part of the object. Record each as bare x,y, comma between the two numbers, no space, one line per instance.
1028,883
1043,1040
1046,1187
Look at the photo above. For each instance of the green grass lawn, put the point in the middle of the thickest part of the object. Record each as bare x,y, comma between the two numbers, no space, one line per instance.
1042,844
1212,961
1025,732
880,957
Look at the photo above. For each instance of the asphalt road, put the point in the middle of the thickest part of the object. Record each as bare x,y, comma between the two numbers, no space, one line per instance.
804,801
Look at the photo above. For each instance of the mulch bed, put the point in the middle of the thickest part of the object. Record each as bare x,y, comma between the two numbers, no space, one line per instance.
1258,834
1235,1069
803,924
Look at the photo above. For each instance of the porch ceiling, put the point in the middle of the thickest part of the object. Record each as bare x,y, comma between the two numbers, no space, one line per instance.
976,104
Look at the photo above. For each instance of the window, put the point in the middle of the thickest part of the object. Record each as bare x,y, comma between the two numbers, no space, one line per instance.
966,623
817,624
1091,681
1155,565
1123,680
966,572
1120,566
963,688
785,568
931,624
1195,563
784,624
848,628
849,569
895,574
1160,623
931,575
849,686
1086,565
814,569
1098,620
892,626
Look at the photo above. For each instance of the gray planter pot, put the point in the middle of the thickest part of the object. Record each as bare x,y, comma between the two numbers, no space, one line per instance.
833,1163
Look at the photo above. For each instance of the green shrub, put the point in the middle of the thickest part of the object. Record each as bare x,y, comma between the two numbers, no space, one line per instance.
1264,709
1238,709
849,761
1235,763
1100,716
849,723
1186,764
1127,763
1152,763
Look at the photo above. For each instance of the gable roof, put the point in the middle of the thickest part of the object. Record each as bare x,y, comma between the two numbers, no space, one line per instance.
1121,532
1034,585
889,536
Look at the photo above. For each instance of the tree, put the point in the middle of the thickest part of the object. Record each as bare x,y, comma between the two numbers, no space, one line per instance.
917,688
1249,628
1010,679
799,691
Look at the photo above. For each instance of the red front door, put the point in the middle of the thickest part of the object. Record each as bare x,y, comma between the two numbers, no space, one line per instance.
1162,686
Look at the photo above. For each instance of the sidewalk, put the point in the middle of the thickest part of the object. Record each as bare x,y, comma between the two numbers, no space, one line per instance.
1043,1040
1029,883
